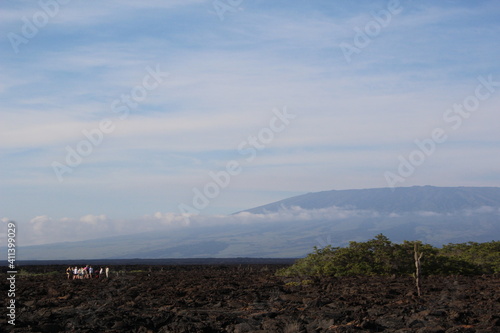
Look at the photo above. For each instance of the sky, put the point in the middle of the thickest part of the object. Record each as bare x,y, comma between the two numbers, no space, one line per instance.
121,113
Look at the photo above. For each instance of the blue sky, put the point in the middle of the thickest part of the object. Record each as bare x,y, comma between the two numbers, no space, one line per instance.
355,117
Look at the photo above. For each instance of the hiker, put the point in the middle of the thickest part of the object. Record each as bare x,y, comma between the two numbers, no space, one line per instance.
107,272
69,270
91,270
101,271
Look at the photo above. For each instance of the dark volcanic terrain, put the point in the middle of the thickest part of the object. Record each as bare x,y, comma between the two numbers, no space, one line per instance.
249,298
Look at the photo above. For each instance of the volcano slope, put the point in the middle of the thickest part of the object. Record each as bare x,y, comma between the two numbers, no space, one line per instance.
250,298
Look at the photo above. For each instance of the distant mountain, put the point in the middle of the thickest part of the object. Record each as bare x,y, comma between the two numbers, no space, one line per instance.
292,227
393,200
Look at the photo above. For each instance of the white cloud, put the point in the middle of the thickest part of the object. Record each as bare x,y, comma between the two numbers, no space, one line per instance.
44,229
93,219
40,224
428,214
483,210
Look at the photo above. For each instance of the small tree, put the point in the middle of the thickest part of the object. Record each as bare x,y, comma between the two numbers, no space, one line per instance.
417,256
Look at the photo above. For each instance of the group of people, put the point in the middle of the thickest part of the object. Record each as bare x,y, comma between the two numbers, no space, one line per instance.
87,272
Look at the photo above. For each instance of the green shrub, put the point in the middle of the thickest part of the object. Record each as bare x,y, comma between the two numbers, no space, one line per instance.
306,282
379,256
292,284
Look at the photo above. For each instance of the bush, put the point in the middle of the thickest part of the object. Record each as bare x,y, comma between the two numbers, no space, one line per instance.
379,256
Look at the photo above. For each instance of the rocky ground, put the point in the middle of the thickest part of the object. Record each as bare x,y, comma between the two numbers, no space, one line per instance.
249,298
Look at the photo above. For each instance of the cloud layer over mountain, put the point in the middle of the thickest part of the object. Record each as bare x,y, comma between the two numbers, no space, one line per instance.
286,231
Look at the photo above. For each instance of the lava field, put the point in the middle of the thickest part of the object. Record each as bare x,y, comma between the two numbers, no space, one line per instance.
249,298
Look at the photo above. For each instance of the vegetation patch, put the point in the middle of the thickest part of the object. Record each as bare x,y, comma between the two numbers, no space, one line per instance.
380,256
